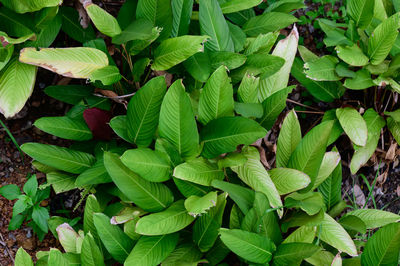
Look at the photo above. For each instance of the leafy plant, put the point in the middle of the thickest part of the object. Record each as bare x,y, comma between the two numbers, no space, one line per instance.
28,206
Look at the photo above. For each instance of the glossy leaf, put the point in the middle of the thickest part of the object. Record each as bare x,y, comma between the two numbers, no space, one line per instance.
288,180
64,127
104,21
353,124
289,138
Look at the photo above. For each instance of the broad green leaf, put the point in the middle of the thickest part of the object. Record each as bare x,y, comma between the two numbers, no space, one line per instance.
249,246
138,30
228,59
176,50
206,227
337,129
288,180
72,94
255,176
171,220
114,239
242,196
322,69
383,247
289,138
5,55
294,253
285,49
395,115
232,6
311,202
352,55
125,16
225,134
248,89
375,218
238,36
184,254
9,40
58,157
64,127
273,107
331,188
97,174
144,111
16,85
177,123
362,81
61,182
119,125
232,159
107,75
55,257
303,234
328,165
151,165
321,258
213,24
334,34
352,223
181,13
198,65
326,91
159,12
147,195
10,192
217,253
22,258
196,206
249,110
104,21
90,253
361,11
362,154
333,234
382,39
199,171
92,206
69,239
308,155
72,27
23,6
189,188
268,22
76,62
216,98
152,250
262,44
353,124
394,128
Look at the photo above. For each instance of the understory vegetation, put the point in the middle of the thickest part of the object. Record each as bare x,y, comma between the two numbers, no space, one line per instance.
182,137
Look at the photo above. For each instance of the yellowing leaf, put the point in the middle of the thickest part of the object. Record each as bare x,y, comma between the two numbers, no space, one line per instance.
79,62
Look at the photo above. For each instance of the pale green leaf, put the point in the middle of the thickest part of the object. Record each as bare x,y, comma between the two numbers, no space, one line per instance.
159,12
375,218
248,89
352,55
104,21
353,124
64,127
22,258
289,138
310,202
322,69
328,165
262,44
303,234
107,75
288,180
268,22
196,206
232,6
23,6
362,81
61,182
90,253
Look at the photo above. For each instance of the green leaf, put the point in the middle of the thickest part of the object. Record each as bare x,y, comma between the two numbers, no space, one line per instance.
199,171
61,182
285,49
159,12
294,253
189,188
147,195
303,234
248,89
308,155
177,123
97,174
72,27
72,94
144,111
107,75
352,55
40,216
321,258
10,192
64,127
353,124
91,207
329,162
181,13
76,62
333,234
331,188
206,227
322,69
238,36
58,157
90,253
196,206
216,98
288,180
273,107
361,11
249,246
184,254
172,220
255,176
362,154
30,187
119,126
249,110
238,5
198,65
152,250
104,21
395,115
16,85
362,81
394,128
262,44
213,24
289,138
176,50
326,91
382,39
228,59
114,239
152,165
138,30
310,202
22,258
56,258
352,223
375,218
23,6
267,22
225,134
383,247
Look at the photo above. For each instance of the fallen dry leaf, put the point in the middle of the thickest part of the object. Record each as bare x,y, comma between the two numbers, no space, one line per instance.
391,153
359,195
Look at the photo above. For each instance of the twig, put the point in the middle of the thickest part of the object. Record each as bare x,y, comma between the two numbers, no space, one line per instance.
303,105
115,97
310,112
8,251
